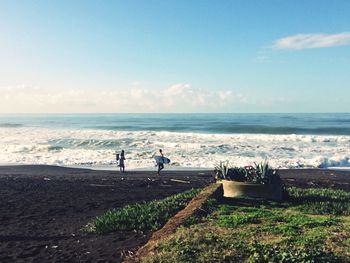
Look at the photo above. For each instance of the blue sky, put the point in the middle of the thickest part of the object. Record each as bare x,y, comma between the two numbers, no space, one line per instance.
175,56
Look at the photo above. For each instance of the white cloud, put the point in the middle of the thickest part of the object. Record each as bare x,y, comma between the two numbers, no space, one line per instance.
135,83
181,97
304,41
225,95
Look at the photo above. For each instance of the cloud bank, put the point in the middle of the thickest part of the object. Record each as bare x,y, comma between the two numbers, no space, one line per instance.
176,98
307,41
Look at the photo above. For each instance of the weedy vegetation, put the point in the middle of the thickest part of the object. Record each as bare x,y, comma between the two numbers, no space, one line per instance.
141,216
311,225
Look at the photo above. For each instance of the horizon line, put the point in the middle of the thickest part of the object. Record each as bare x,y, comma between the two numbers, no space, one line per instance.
163,113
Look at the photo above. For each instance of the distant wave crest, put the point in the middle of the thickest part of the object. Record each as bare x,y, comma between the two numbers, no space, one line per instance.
232,128
10,125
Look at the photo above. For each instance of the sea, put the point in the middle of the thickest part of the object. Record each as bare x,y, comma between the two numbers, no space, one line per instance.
191,141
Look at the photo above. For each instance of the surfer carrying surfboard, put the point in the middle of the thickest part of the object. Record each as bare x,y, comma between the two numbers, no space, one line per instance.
160,162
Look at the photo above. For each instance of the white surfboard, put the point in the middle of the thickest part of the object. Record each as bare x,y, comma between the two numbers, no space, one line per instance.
160,159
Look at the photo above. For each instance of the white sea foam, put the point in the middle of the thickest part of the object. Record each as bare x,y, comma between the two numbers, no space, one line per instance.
73,147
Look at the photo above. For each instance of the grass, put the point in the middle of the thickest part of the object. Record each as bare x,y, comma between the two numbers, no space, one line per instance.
312,225
141,216
321,201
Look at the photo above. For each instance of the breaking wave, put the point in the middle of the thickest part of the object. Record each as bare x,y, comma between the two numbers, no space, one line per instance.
24,145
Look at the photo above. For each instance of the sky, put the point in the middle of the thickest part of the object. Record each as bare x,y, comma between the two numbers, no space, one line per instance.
174,56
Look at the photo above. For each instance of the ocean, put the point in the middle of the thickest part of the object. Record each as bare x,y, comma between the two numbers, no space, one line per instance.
291,140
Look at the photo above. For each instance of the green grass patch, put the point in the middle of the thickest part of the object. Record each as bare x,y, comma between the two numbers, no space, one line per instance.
297,224
320,201
311,225
141,216
199,244
274,253
235,220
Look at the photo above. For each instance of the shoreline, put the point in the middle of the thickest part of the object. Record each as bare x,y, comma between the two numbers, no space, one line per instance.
152,169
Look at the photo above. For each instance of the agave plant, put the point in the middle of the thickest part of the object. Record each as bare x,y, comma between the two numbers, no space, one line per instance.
264,174
221,169
237,174
261,173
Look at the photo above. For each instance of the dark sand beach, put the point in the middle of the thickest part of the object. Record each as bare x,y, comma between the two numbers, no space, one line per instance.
43,209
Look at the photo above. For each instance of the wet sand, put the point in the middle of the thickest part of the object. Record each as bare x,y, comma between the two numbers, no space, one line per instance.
43,209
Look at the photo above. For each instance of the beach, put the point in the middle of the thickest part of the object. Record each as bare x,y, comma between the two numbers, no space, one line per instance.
44,208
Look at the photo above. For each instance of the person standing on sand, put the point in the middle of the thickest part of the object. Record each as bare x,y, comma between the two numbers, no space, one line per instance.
160,164
121,162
